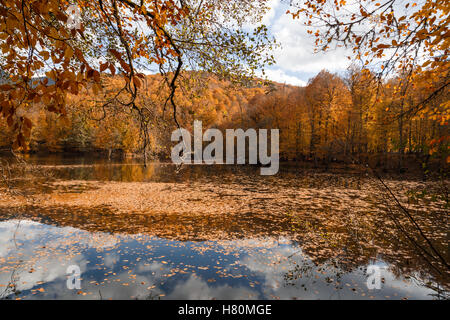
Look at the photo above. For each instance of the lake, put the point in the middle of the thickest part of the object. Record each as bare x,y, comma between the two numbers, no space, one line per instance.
214,232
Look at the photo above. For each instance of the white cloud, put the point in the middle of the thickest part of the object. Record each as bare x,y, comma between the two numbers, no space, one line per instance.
295,60
278,75
297,51
273,5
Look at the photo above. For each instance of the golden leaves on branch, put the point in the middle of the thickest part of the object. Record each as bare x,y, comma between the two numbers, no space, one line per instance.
35,38
379,30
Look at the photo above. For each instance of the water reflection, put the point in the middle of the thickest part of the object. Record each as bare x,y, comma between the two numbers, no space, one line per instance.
34,259
204,232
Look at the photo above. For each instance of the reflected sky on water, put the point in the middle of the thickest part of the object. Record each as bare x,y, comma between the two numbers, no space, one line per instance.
266,253
34,258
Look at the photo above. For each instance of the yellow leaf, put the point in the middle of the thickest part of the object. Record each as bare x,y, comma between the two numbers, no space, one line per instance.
68,54
45,55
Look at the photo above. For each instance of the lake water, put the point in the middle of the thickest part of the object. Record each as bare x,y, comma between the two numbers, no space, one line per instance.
212,232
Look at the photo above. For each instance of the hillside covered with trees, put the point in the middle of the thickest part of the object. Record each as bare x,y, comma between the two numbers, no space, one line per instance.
94,203
333,118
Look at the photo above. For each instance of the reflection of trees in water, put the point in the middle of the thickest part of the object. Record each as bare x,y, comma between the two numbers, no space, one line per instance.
348,238
8,172
11,287
152,296
420,237
20,178
356,241
10,169
183,227
303,275
440,292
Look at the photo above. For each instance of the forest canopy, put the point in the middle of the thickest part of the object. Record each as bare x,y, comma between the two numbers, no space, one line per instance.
83,83
119,37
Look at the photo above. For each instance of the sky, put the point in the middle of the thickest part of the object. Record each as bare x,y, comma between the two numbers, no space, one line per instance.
296,61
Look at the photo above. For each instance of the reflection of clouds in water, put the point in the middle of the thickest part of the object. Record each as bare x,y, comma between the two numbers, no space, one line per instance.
50,250
36,271
272,265
8,233
111,259
35,261
198,289
16,231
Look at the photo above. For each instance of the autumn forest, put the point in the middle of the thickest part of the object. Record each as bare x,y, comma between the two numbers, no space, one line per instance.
92,206
333,118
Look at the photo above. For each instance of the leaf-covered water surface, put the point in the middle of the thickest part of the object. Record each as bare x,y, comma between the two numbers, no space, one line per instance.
206,232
